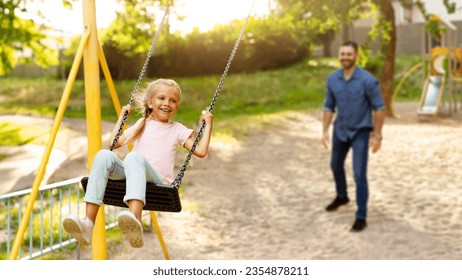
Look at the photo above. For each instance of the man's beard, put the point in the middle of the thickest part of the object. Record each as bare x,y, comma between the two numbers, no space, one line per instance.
347,63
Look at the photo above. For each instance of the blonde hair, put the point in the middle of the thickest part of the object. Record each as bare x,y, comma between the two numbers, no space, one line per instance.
141,102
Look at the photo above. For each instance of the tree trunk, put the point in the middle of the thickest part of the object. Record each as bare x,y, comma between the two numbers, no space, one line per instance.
327,48
346,32
326,39
389,53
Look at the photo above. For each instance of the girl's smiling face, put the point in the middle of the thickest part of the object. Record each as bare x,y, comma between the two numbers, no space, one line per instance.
164,103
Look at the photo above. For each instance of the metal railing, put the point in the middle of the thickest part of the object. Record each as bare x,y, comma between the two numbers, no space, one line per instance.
45,233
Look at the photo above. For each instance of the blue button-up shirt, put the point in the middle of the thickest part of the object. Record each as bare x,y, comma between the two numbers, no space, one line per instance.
354,100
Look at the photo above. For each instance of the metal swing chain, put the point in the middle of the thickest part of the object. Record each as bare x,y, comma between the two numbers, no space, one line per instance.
140,78
181,173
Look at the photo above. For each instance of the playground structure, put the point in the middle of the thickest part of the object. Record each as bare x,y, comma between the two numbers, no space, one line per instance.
156,198
442,73
93,58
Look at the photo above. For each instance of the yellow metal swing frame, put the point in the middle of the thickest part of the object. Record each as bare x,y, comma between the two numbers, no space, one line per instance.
92,53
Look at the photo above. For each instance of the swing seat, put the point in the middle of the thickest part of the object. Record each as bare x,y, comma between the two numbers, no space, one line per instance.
163,198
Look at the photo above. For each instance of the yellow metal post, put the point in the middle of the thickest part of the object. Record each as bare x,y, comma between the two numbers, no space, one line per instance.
155,224
107,76
93,114
46,155
91,50
115,100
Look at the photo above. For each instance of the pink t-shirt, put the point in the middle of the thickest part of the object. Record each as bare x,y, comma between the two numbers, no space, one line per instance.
159,143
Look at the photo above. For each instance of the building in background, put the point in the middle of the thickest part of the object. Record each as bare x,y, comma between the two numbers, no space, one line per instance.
409,23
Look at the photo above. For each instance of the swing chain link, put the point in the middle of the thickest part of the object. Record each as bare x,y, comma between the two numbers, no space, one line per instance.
181,173
177,182
141,76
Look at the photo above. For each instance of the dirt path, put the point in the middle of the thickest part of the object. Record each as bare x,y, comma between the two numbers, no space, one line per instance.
264,198
68,158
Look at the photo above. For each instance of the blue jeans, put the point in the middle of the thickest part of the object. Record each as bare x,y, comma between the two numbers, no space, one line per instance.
134,168
360,147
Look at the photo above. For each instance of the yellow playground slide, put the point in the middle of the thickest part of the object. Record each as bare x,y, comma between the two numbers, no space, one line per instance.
433,90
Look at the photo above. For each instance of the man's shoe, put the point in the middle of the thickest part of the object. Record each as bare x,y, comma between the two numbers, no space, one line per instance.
337,203
359,225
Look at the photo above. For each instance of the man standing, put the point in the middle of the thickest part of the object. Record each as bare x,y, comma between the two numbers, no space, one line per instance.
354,94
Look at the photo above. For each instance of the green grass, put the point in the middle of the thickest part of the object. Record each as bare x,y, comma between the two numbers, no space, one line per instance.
246,102
40,224
16,135
244,98
242,94
411,89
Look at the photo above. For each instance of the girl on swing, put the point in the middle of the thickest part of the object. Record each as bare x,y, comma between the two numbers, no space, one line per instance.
155,140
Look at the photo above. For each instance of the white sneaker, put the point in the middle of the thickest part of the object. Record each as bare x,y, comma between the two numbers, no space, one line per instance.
130,225
80,229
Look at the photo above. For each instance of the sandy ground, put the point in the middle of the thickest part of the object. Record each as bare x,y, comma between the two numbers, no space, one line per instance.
264,198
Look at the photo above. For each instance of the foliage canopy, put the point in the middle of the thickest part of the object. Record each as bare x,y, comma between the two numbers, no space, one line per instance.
18,34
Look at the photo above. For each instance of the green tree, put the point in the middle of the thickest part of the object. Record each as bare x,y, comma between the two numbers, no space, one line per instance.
133,28
319,22
322,19
432,26
315,22
18,34
385,30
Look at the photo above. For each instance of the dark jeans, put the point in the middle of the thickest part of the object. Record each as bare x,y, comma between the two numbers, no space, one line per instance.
360,147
